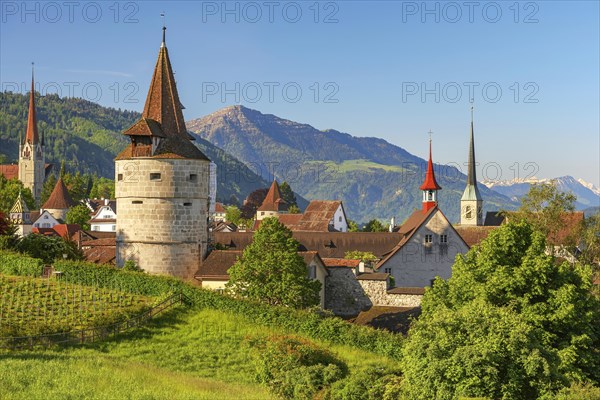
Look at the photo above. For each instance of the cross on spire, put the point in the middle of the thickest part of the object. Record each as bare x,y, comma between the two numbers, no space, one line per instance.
164,28
430,133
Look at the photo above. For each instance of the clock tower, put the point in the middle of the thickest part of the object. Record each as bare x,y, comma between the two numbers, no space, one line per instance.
471,203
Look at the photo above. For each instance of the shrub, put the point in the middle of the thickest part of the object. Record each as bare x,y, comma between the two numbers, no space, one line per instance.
295,368
19,264
367,384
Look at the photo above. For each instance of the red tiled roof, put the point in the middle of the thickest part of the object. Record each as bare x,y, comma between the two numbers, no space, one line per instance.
100,242
101,254
273,200
289,220
218,263
59,198
65,231
162,117
318,216
10,171
341,262
219,208
430,183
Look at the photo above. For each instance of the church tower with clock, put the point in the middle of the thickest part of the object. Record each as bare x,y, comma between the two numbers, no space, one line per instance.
471,203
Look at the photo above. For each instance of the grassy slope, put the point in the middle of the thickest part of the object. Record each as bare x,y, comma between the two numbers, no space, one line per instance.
185,355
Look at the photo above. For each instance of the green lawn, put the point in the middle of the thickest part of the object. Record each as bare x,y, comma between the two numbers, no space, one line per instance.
185,354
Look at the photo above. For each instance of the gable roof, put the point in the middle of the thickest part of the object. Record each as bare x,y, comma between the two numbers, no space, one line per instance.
65,231
317,216
328,244
273,200
19,206
59,199
410,227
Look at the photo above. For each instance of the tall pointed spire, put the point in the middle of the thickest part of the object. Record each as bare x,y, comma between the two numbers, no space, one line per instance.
32,131
472,177
430,185
162,104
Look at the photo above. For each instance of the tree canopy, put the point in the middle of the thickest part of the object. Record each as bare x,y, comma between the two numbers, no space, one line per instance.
271,270
80,215
9,191
287,194
374,225
511,322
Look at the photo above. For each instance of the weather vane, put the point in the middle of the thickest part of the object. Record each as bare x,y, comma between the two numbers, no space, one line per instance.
430,133
162,15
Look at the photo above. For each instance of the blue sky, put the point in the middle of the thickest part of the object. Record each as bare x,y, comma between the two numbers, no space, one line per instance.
388,69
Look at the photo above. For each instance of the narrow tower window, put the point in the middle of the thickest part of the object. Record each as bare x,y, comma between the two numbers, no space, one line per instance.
155,176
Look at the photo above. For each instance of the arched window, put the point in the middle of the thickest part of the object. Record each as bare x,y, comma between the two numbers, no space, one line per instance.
468,212
430,195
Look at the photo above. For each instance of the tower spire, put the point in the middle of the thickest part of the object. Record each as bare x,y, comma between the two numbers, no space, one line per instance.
430,185
471,200
32,131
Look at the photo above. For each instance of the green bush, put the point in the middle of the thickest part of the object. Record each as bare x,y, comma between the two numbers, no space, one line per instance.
367,384
19,264
295,368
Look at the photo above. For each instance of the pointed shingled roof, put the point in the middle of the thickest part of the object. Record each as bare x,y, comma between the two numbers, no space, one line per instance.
19,207
273,200
430,183
471,191
59,199
163,117
32,131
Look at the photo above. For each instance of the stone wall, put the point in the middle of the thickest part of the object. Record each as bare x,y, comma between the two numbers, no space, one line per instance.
377,291
344,296
162,219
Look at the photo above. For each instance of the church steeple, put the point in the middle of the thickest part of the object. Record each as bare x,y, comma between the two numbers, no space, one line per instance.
471,201
430,185
32,131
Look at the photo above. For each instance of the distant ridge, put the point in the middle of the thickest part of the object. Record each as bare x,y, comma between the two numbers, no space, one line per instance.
374,178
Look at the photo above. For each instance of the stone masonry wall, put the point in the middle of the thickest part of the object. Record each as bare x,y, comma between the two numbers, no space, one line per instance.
162,223
377,291
344,296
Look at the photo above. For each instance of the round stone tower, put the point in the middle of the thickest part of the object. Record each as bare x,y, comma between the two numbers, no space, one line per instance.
162,185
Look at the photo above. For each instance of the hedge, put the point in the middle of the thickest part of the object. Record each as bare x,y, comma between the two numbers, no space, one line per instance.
20,264
309,323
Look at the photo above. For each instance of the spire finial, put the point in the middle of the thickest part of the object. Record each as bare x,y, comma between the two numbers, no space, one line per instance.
164,28
430,133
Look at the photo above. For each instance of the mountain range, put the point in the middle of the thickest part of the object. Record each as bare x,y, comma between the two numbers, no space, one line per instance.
374,178
588,195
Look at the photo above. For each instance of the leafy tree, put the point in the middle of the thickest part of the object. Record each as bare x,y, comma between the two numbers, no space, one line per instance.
102,188
352,226
131,266
47,188
511,322
271,270
293,209
543,206
233,215
9,191
80,215
365,256
77,185
8,233
253,201
287,194
374,225
49,248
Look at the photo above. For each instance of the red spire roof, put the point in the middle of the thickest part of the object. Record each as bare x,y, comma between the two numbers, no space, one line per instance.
59,198
32,131
430,182
273,200
162,118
